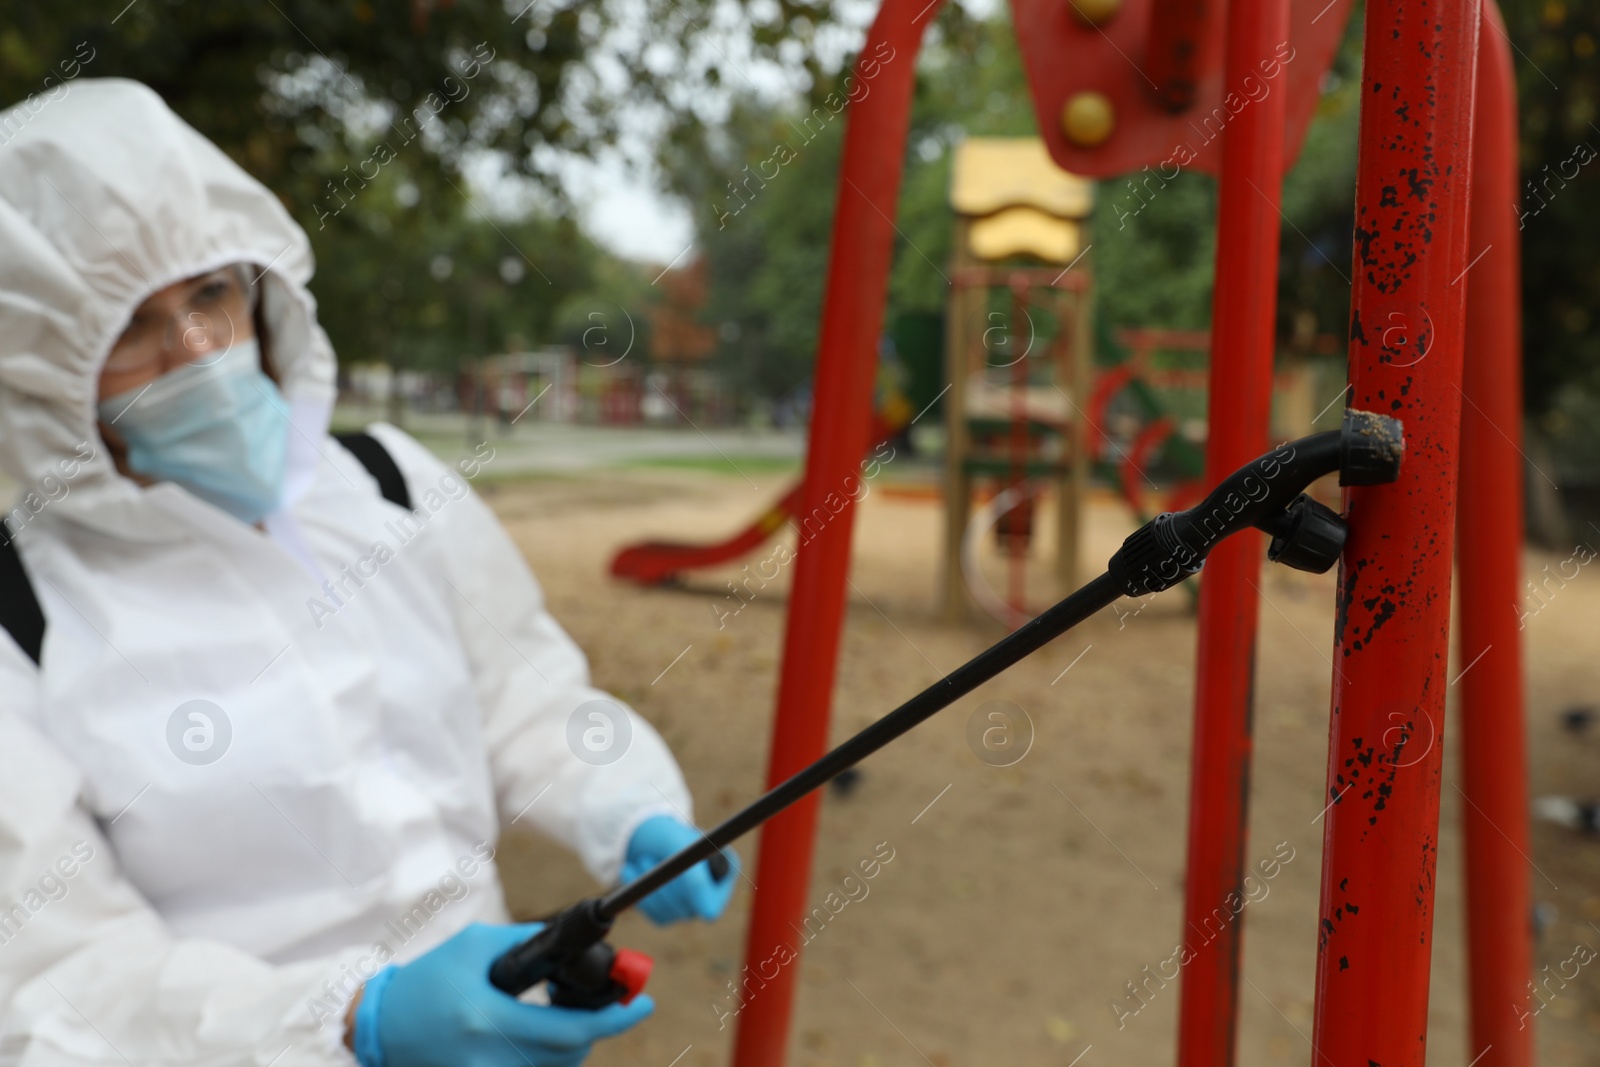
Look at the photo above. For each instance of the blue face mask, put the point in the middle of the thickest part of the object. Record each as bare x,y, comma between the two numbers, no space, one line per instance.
220,429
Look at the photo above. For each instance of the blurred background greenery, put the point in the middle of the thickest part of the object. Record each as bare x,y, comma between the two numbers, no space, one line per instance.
422,143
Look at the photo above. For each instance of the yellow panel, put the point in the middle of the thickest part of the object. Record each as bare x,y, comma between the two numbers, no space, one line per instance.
990,173
1023,231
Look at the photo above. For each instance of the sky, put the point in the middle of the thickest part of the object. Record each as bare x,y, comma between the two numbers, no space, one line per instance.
621,206
626,214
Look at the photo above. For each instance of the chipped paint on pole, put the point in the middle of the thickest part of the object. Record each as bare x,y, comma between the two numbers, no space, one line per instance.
1375,923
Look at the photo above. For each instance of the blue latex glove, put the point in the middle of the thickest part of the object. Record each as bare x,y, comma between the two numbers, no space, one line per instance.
694,893
440,1011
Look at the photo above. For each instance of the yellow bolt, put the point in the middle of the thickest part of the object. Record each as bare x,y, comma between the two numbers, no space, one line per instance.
1095,12
1088,119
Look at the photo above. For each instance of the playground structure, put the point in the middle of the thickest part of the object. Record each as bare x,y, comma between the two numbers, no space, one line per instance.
660,562
1145,87
1026,410
1012,415
1158,429
570,951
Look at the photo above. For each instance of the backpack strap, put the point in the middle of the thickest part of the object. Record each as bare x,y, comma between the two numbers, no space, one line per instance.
23,619
380,464
20,613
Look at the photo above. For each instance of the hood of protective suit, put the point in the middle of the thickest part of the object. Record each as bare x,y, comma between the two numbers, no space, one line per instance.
105,197
267,765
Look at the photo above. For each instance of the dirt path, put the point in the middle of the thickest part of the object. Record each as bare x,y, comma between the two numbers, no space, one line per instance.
1019,900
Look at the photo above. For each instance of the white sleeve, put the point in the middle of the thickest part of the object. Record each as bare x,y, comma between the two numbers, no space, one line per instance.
89,974
531,677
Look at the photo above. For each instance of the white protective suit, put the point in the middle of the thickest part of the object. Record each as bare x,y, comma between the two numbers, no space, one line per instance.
158,910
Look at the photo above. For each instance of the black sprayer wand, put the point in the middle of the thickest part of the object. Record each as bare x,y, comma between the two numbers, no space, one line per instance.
1269,494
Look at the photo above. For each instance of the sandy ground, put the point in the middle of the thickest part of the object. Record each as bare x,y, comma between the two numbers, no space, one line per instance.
1021,899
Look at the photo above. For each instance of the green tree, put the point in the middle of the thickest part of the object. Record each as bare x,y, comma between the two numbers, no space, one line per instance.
762,188
767,241
427,289
367,116
1558,86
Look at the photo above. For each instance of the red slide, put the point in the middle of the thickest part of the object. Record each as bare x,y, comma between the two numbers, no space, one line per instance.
657,562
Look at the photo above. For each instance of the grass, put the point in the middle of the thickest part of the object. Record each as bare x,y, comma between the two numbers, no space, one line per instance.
732,465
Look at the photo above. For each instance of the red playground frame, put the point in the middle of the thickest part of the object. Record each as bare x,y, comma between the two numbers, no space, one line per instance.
1433,222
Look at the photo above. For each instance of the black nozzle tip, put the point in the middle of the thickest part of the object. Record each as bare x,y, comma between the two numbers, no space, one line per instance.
1371,448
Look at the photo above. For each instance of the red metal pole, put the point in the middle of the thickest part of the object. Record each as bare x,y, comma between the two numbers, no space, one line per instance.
1413,182
841,422
1494,774
1239,406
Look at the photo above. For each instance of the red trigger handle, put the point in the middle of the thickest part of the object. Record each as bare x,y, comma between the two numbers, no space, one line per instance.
631,970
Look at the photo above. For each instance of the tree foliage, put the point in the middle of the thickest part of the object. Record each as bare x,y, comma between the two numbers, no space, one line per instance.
1558,85
384,124
400,131
767,240
1153,265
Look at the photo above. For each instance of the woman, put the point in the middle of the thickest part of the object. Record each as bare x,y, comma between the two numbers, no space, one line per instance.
279,695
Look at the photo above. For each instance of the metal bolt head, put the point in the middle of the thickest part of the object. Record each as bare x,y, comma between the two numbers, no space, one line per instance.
1094,12
1087,119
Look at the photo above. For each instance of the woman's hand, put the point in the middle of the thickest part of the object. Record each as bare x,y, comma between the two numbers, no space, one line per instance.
350,1018
694,893
440,1011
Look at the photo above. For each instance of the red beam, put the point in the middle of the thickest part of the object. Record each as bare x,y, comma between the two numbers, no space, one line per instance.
1494,771
1239,405
1174,51
1375,924
841,427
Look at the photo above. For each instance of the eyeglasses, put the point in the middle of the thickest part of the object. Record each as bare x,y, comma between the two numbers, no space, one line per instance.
188,322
